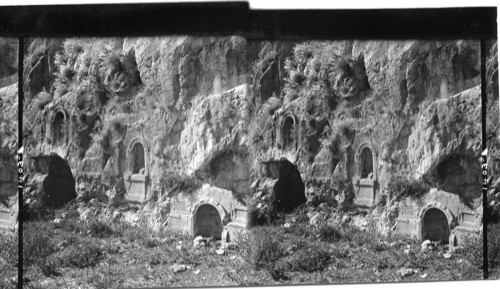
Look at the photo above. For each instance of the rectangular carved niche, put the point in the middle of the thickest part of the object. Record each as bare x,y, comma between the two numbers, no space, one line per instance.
240,216
468,219
366,192
137,190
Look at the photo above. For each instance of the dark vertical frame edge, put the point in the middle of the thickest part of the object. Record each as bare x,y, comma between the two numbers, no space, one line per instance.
20,172
484,157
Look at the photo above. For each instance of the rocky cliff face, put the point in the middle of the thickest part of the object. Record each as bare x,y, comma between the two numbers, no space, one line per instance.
8,140
8,117
8,133
492,135
145,117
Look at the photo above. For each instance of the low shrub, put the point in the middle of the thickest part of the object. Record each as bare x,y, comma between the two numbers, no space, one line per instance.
401,188
280,250
301,230
99,229
494,245
328,233
175,182
151,242
314,257
9,251
370,238
36,242
135,234
73,226
265,247
33,208
83,255
474,250
49,266
322,194
260,213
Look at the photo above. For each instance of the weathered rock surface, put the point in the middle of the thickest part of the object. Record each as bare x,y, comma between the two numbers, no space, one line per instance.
214,140
155,119
8,142
9,207
492,134
444,146
8,61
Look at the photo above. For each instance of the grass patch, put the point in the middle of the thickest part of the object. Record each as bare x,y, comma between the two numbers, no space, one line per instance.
279,251
494,245
37,243
8,261
99,229
83,255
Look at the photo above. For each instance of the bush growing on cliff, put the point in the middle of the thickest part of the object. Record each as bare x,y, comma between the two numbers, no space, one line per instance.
260,124
261,212
114,124
271,105
175,182
401,188
42,99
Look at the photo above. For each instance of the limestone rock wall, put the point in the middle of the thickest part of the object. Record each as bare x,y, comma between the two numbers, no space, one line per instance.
492,134
445,144
8,133
140,118
8,140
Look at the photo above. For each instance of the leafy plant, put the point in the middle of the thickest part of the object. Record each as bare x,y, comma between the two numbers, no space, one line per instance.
36,242
175,182
99,229
83,255
494,245
401,188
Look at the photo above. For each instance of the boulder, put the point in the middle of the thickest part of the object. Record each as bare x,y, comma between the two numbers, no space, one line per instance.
405,272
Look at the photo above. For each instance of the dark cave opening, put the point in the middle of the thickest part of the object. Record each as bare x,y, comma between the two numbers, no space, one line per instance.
59,185
207,222
435,226
289,190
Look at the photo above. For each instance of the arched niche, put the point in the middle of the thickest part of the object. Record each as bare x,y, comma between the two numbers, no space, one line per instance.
137,170
289,133
207,222
138,163
58,128
366,162
137,157
435,226
366,184
435,223
208,218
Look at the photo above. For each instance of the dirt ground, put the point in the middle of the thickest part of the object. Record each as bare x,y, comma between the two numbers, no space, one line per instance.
70,253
